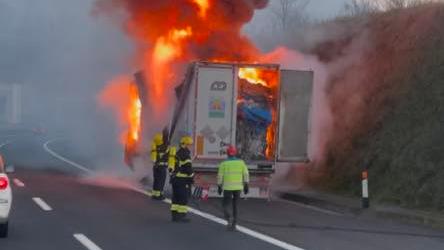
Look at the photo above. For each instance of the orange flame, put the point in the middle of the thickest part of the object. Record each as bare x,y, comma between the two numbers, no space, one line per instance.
203,7
134,113
166,50
251,75
122,96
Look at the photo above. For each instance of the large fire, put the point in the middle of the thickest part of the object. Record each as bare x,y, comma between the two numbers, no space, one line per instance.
122,95
252,76
171,33
268,79
134,113
203,5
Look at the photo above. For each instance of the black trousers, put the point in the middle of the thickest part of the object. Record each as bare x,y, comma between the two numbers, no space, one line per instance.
181,193
159,176
233,198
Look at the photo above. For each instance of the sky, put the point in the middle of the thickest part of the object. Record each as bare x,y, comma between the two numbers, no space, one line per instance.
325,8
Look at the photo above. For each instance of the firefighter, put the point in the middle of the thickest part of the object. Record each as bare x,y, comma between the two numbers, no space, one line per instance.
161,158
232,177
181,180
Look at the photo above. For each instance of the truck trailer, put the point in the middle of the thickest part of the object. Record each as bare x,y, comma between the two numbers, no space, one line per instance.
260,108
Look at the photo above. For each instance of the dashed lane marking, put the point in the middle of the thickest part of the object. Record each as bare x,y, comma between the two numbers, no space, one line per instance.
86,242
42,204
18,183
247,231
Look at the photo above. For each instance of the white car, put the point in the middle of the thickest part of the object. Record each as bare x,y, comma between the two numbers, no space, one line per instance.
5,200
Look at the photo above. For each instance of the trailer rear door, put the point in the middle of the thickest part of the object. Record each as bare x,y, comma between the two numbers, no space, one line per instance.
294,115
214,111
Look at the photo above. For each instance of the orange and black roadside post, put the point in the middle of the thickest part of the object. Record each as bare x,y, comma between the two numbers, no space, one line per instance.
365,199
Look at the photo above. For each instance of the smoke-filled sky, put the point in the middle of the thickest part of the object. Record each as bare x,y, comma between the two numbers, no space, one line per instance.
64,55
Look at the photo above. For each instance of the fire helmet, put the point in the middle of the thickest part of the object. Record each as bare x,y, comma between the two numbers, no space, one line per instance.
231,150
186,140
158,139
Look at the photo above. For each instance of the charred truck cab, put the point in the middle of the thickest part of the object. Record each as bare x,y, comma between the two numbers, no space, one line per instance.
260,108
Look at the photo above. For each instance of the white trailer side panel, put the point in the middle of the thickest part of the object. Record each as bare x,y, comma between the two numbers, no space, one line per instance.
215,111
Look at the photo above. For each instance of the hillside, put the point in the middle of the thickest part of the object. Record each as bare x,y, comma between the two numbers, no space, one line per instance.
386,95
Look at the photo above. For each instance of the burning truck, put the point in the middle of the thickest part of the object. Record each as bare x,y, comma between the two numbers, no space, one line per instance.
260,108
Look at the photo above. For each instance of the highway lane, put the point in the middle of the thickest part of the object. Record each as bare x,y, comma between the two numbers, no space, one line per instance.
116,218
111,218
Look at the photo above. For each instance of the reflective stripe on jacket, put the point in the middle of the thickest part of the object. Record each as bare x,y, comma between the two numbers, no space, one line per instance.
184,167
232,174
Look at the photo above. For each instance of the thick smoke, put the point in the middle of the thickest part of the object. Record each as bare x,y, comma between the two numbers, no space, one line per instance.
218,35
61,56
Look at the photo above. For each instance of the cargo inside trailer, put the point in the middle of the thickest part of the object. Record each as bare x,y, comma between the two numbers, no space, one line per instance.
256,120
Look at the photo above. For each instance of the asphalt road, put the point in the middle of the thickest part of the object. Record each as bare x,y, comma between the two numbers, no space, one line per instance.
87,216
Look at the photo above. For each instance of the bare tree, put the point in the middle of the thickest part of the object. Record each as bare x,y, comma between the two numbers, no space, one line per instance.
396,4
360,7
399,4
364,7
288,12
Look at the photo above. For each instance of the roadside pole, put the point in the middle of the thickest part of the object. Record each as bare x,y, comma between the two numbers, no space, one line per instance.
365,199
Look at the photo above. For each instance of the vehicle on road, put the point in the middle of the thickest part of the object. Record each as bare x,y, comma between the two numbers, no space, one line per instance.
262,109
5,200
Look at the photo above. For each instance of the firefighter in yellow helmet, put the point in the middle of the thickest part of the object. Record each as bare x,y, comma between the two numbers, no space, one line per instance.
181,180
162,159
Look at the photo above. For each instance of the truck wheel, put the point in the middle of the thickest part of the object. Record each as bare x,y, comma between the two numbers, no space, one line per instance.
4,230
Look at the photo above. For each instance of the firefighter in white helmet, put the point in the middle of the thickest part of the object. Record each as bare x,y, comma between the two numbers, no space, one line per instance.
181,180
162,159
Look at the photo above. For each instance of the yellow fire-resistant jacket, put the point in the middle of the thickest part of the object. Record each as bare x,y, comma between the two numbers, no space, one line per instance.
232,174
163,155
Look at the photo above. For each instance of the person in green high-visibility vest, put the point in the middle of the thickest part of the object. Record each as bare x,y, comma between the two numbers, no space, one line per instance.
232,178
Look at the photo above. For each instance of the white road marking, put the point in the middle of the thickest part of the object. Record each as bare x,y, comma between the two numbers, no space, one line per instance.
207,216
86,242
43,205
45,146
242,229
18,183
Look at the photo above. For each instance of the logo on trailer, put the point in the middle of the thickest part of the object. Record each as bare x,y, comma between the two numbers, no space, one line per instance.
218,86
216,107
